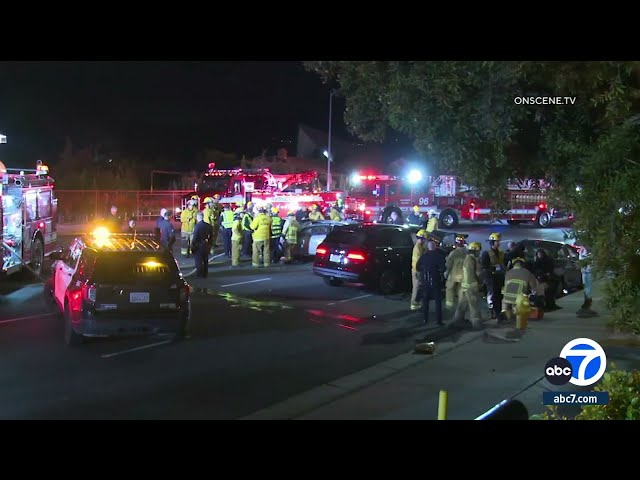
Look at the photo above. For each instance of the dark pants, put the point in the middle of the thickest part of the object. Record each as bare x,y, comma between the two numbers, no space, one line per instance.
494,284
247,240
201,256
276,252
435,294
226,241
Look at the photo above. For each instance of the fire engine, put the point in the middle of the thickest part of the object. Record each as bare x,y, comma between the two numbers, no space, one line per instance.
374,197
28,213
285,191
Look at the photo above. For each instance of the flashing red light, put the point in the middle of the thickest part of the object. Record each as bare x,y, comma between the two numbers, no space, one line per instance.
368,212
212,165
41,225
542,206
321,251
355,256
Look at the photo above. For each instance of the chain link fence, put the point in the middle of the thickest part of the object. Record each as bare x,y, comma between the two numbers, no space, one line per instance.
82,206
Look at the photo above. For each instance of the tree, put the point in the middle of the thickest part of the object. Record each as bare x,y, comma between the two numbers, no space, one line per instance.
468,118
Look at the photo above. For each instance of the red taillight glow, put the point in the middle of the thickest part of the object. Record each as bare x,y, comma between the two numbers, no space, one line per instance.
542,206
355,256
321,251
84,294
368,212
41,225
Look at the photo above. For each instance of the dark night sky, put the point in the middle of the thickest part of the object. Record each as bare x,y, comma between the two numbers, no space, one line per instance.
156,108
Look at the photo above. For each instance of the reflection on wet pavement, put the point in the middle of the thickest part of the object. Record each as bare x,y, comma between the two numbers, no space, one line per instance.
235,301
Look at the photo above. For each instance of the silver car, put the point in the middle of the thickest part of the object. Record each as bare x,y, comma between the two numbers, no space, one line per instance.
312,234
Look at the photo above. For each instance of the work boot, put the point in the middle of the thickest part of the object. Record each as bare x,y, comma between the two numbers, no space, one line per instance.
416,306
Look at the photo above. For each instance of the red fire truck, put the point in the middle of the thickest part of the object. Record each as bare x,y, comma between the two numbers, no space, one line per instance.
374,197
285,191
27,217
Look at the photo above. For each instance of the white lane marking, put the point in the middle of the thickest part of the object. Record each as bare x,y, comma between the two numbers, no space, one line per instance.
195,269
17,319
349,299
143,347
244,283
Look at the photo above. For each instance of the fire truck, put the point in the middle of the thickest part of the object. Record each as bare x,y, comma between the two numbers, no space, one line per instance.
373,197
285,191
28,213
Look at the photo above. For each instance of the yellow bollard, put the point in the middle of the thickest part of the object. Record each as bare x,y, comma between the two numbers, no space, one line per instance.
443,400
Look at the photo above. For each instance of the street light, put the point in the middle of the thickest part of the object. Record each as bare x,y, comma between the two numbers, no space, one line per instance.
327,152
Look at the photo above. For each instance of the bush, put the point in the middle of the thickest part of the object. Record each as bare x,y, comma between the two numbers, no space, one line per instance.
624,399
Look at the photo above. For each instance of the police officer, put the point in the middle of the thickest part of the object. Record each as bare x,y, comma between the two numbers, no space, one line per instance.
167,235
431,266
201,245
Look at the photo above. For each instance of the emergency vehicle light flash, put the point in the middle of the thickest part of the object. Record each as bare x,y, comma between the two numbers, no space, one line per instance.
415,176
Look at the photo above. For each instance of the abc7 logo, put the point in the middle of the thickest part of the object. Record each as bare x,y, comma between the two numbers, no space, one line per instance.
582,362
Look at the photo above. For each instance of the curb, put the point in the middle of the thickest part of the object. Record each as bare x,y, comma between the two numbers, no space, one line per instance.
306,402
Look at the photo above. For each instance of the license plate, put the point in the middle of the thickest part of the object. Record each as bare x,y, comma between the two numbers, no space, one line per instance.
139,297
335,258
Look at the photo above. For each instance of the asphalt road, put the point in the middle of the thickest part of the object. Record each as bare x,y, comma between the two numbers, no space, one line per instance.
259,336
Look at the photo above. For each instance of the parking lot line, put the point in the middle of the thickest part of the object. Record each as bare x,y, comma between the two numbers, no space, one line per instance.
143,347
244,283
349,299
17,319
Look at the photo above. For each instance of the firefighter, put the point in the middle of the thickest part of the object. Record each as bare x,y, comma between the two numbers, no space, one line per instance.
431,266
418,250
469,297
518,281
414,219
236,236
492,262
455,260
432,224
208,216
226,222
276,233
290,234
246,230
315,214
334,214
217,213
201,245
261,226
188,223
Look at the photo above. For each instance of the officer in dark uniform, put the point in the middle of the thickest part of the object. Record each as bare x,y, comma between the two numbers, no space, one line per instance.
431,267
201,244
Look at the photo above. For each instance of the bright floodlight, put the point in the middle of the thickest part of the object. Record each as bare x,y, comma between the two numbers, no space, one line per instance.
415,176
3,138
326,154
355,178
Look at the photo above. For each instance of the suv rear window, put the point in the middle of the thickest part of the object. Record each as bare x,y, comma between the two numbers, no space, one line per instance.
346,236
121,267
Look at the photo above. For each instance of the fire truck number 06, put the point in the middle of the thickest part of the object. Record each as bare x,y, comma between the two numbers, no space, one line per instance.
423,201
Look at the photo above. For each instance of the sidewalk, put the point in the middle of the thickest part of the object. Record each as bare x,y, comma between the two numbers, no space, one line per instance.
477,370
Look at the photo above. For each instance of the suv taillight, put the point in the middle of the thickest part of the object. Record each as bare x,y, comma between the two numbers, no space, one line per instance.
321,251
356,256
76,297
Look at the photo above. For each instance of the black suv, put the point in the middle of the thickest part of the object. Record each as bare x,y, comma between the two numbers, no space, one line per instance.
118,285
378,255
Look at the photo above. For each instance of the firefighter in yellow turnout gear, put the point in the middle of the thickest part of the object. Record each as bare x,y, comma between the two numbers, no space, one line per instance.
246,229
518,282
315,214
211,215
188,224
455,260
290,233
469,297
261,226
236,237
432,224
418,250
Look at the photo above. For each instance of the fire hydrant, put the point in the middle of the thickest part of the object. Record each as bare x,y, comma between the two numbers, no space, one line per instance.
523,310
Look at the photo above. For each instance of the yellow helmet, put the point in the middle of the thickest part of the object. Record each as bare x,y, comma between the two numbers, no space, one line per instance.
416,208
216,197
460,239
239,204
421,234
494,236
475,246
195,197
314,207
291,213
249,204
274,210
208,200
518,260
239,210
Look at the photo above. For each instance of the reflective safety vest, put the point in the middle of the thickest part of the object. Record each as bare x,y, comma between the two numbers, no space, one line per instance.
455,263
261,226
188,220
276,227
518,281
227,219
236,230
315,216
496,258
334,215
291,235
246,222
